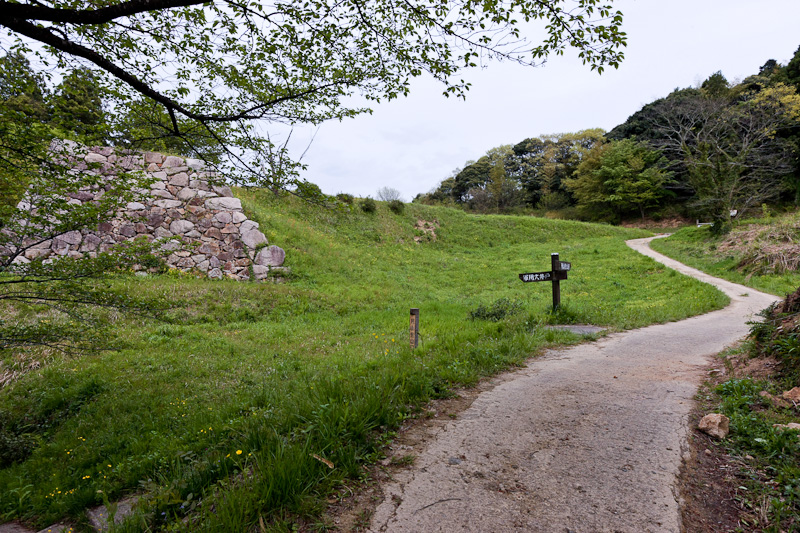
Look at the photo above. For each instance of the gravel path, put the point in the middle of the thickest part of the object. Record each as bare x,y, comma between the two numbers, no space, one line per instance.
586,439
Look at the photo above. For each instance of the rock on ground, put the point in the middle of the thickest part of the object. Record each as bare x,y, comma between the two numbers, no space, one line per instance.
715,424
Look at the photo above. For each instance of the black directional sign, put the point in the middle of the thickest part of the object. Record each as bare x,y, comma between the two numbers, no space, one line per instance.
536,276
556,275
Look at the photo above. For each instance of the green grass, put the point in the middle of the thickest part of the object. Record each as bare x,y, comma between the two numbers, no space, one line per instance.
698,248
317,366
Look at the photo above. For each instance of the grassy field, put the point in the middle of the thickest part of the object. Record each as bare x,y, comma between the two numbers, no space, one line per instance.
762,254
253,402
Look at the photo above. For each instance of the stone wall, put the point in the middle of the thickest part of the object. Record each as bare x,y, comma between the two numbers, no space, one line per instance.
184,200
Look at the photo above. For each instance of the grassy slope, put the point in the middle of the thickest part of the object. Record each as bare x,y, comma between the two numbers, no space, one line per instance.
228,403
696,247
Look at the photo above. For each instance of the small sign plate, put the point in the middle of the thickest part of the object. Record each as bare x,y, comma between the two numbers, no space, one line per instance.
536,276
563,265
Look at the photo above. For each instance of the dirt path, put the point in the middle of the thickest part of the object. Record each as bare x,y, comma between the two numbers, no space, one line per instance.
586,439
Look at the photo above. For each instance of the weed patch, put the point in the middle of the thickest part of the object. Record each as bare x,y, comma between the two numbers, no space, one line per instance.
498,310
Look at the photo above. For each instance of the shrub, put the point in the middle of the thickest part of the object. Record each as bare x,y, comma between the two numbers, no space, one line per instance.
497,311
15,446
345,198
368,205
397,207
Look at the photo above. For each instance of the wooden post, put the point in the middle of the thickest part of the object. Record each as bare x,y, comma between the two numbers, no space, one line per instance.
413,329
555,265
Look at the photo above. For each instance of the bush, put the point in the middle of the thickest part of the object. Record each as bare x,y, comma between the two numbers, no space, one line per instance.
719,228
497,311
397,207
345,198
368,205
15,446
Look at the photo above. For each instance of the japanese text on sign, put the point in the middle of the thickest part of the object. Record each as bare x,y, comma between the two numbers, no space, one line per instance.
537,276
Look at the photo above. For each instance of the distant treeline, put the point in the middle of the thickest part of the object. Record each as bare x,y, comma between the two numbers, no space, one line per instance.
710,151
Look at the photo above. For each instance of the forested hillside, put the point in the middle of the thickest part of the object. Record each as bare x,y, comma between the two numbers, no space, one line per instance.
713,151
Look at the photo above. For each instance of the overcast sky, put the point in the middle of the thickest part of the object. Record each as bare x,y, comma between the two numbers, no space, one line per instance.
413,143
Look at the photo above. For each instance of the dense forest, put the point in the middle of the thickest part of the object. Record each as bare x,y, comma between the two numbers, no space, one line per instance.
713,152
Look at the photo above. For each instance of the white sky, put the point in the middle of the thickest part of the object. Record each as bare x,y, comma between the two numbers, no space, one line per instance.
413,143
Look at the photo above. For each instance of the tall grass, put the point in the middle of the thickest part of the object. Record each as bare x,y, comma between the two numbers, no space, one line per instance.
228,415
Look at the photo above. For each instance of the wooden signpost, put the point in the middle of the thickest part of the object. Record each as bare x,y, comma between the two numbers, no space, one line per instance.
557,273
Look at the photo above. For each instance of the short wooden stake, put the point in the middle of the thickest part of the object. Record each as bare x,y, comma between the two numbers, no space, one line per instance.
413,330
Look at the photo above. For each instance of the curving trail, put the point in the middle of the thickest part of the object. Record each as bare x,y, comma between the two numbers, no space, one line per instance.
586,439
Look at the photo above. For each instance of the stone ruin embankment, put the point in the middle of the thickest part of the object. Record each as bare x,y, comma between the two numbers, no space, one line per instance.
184,200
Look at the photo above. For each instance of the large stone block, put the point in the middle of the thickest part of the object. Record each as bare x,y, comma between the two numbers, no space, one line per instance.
213,233
260,271
81,195
90,243
271,256
247,225
128,230
153,157
162,233
223,203
166,204
209,248
181,179
70,237
187,194
35,253
172,161
223,190
195,164
224,217
92,157
180,226
130,162
252,238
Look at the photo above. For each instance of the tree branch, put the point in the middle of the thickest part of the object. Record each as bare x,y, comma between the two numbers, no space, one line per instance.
15,10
